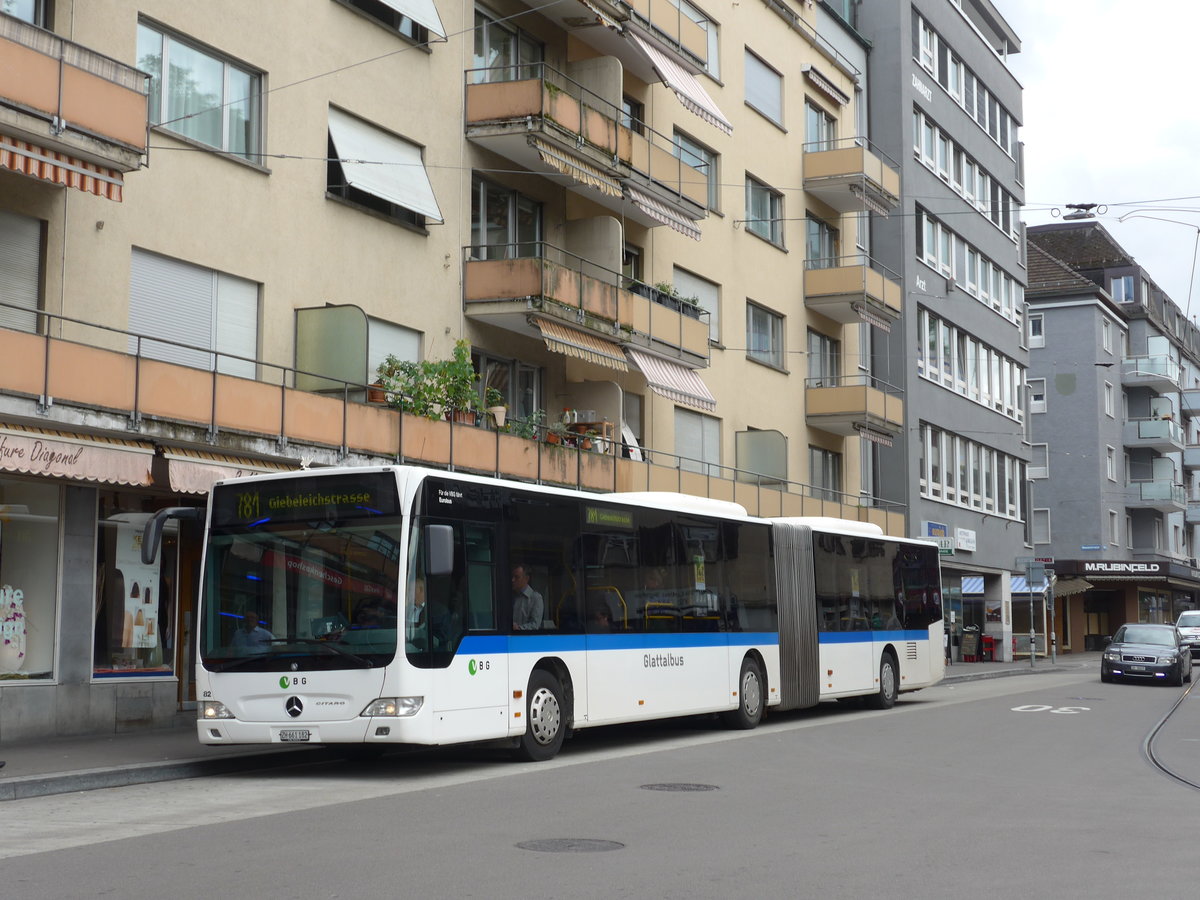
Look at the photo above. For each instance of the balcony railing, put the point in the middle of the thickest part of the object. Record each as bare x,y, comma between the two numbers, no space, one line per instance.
501,279
852,288
851,175
507,104
82,384
1161,494
1163,435
1161,372
854,404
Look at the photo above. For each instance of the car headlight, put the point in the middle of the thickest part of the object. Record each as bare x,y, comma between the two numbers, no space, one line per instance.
1167,660
398,707
214,709
1112,655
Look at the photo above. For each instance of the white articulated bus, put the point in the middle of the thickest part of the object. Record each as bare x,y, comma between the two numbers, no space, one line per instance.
375,606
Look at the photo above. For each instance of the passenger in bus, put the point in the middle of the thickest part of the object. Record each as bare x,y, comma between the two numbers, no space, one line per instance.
528,605
599,620
250,636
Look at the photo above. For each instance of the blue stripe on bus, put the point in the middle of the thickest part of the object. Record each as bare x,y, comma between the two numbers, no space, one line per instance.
481,644
866,637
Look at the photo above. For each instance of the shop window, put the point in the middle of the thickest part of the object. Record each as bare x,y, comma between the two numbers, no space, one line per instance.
136,604
28,578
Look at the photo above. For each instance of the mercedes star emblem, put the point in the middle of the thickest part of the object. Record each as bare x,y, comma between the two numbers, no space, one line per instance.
293,706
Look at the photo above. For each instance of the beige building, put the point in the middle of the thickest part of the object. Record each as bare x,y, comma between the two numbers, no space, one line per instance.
650,214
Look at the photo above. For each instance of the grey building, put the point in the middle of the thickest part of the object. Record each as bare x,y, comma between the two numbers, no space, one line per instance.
1114,401
946,108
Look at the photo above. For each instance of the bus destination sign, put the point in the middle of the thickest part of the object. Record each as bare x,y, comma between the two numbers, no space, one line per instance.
305,499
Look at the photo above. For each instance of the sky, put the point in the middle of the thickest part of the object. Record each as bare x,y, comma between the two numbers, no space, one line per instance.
1108,119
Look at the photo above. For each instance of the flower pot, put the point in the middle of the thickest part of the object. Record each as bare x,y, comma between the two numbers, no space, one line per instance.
461,416
376,393
499,413
552,438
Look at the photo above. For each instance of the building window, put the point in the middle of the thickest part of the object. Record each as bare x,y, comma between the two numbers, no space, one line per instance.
631,263
764,88
821,246
1041,526
1037,395
1114,531
1037,333
505,224
206,98
764,336
701,158
712,62
518,383
1110,463
1110,405
399,189
1039,462
707,294
825,473
1122,289
764,211
824,360
210,317
1106,335
820,128
633,115
28,577
35,12
502,52
697,441
386,14
20,271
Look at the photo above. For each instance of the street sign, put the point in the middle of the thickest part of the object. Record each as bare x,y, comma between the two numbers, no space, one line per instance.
945,546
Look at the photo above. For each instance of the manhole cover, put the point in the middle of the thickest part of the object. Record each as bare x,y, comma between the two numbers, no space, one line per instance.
570,845
679,786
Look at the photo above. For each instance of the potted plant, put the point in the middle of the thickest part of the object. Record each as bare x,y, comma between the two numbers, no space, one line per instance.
409,386
527,426
556,432
457,384
493,401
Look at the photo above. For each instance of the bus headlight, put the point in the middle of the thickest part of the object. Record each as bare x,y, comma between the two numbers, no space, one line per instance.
214,709
398,707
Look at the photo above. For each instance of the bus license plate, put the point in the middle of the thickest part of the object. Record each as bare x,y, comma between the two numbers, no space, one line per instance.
295,734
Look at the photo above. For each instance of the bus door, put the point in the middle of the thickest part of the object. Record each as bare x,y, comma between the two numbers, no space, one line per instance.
469,656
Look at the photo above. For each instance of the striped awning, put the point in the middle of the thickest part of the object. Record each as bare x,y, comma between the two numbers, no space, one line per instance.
196,471
573,167
1019,585
59,168
825,85
80,457
689,91
660,212
580,345
972,585
423,12
871,317
673,381
870,201
1065,587
876,437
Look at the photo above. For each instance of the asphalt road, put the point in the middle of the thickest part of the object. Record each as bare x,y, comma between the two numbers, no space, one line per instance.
1013,787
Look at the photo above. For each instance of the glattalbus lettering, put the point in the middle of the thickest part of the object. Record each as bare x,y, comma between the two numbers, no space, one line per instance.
655,660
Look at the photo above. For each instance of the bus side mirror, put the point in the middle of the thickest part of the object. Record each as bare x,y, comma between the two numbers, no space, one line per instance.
439,549
152,533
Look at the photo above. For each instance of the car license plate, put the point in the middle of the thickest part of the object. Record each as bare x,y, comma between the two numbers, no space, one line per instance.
295,734
1131,669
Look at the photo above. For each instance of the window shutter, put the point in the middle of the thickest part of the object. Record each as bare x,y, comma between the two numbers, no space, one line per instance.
20,270
171,300
237,324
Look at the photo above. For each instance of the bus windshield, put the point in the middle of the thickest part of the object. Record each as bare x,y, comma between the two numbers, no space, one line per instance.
297,578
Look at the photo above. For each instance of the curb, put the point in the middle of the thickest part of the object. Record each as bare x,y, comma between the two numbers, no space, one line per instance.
1008,673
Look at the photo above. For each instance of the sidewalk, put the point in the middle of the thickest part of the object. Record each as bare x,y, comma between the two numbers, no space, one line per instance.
62,765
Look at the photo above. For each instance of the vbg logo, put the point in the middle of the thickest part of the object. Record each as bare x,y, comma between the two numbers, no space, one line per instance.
478,665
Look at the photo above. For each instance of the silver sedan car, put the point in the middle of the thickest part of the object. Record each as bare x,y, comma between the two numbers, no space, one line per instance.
1147,653
1189,629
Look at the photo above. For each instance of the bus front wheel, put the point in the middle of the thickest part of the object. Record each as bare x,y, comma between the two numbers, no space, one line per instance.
889,682
544,725
749,710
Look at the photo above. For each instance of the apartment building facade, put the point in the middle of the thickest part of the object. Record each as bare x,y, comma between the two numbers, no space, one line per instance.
209,242
1114,398
946,107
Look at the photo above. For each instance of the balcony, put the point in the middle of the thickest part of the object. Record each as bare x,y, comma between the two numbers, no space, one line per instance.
1189,403
1163,435
1162,494
853,288
849,177
1191,456
1192,515
66,386
65,107
854,405
1159,373
545,122
504,284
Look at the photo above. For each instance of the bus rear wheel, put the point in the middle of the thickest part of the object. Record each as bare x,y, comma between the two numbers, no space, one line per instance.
544,725
749,710
889,683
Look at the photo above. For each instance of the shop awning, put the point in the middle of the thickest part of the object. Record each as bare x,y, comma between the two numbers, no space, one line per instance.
196,471
1064,587
80,457
825,85
972,585
423,12
689,91
575,168
382,164
1019,585
59,168
660,212
580,345
673,381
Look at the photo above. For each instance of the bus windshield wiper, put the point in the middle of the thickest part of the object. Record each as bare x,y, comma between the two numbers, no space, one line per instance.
239,661
361,660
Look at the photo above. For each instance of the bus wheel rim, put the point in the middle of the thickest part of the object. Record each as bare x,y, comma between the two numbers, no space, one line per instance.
887,679
545,716
751,693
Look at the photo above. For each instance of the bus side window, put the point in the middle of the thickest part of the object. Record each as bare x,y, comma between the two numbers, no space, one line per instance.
479,545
